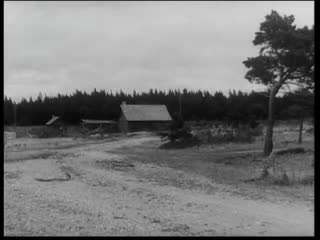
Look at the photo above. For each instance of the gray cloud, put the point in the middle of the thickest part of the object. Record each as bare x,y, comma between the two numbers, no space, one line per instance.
60,46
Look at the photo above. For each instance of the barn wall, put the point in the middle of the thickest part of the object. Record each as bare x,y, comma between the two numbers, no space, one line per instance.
134,126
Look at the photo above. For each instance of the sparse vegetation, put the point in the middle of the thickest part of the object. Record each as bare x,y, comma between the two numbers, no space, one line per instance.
126,173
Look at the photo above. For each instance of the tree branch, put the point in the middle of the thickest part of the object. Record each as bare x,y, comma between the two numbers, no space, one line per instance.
296,84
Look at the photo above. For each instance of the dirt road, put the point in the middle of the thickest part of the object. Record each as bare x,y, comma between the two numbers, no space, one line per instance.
112,194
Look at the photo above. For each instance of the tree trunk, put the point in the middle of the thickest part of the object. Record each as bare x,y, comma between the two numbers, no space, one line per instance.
300,130
268,144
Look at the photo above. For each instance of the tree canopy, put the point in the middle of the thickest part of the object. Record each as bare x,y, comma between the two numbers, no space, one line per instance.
286,55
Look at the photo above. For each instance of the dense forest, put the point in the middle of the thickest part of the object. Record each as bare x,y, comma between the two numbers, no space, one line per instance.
196,105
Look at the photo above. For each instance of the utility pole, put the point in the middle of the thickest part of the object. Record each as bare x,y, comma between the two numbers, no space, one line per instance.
15,116
180,106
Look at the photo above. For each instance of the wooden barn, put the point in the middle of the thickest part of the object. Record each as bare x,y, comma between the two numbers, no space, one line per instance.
54,127
134,118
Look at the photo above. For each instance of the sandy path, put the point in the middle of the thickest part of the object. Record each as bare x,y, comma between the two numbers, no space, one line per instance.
102,200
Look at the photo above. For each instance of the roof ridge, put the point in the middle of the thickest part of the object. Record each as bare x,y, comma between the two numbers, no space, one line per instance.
146,112
143,105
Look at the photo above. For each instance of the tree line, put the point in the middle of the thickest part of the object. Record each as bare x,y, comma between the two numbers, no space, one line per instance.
237,106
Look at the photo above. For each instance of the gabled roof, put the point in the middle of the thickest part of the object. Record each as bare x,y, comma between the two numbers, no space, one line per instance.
133,112
52,120
89,121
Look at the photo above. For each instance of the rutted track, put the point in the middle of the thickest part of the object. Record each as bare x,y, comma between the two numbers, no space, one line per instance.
100,199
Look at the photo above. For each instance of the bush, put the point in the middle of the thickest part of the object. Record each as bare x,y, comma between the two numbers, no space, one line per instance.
283,180
309,180
182,133
242,135
180,138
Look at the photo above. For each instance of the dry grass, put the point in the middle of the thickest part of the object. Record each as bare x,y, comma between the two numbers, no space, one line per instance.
293,169
293,177
220,166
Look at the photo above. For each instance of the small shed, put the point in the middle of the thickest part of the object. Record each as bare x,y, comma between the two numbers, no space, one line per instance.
106,125
55,127
136,117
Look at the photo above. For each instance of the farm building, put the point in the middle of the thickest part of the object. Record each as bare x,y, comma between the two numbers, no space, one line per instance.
107,125
136,117
54,127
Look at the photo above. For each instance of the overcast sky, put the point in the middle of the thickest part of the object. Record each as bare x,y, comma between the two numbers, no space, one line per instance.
62,46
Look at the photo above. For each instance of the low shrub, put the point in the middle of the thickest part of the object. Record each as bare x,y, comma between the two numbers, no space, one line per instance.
238,136
257,131
282,180
308,180
182,133
285,180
